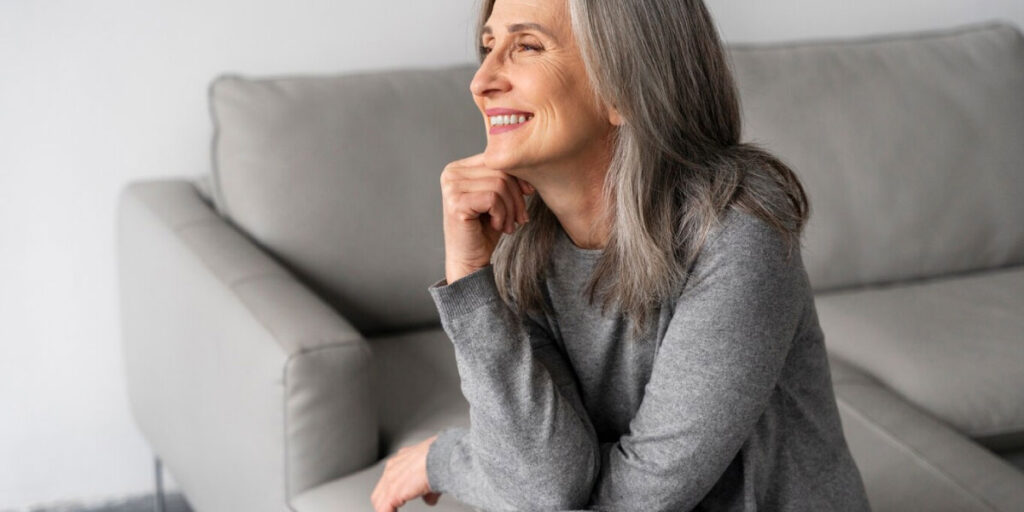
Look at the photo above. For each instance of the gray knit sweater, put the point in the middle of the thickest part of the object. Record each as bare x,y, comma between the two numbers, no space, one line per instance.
726,405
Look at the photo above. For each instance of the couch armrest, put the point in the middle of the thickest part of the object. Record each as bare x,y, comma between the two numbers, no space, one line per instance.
247,385
912,461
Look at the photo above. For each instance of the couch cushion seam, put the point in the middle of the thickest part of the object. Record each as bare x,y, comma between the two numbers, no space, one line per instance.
355,343
917,456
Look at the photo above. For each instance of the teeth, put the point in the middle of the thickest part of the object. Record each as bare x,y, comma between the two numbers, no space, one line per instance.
507,119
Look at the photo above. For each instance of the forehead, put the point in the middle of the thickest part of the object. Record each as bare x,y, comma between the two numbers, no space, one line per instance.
551,14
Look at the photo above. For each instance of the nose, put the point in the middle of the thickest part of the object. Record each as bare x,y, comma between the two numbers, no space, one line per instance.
491,77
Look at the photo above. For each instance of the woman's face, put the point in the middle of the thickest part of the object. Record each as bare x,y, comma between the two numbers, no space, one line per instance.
533,67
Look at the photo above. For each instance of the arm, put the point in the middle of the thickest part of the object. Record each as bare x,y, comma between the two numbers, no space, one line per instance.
530,444
716,366
224,347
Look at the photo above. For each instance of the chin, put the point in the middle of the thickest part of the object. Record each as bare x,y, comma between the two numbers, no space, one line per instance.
504,160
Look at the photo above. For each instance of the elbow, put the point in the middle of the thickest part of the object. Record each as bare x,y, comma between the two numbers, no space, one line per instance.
563,497
566,482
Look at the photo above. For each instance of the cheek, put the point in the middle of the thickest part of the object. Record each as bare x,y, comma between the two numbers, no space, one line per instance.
550,87
558,97
571,94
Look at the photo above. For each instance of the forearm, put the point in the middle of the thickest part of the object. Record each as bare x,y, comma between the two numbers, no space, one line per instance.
530,444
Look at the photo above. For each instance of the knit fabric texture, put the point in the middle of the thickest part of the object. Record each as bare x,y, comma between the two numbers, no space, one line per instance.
725,403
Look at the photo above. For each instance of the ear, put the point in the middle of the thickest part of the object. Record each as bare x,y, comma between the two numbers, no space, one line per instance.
614,117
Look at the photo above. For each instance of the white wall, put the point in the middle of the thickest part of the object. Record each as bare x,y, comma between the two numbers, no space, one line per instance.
780,20
96,94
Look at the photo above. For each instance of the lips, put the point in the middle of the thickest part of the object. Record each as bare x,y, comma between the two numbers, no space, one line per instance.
504,111
502,120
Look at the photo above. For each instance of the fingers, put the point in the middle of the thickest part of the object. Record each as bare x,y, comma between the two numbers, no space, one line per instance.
385,494
517,212
517,193
504,190
384,498
493,199
526,187
489,187
497,196
474,204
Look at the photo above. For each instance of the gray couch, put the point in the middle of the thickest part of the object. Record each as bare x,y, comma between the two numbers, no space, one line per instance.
279,341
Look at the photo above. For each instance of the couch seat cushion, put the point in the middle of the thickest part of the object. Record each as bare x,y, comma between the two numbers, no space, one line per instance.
417,384
353,493
953,346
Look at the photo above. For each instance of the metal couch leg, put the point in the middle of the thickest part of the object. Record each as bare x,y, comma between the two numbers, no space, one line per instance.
158,496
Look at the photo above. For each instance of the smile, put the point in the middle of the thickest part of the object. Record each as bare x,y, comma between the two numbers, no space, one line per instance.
505,123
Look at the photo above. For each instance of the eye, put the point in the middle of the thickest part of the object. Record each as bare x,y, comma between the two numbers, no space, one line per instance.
484,50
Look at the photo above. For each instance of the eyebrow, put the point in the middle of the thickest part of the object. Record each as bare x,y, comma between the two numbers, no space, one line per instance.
519,27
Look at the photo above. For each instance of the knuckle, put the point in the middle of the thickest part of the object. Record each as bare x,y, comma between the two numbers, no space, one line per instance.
449,173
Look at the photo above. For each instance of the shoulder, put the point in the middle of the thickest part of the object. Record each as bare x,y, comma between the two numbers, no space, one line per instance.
746,281
737,224
740,233
744,249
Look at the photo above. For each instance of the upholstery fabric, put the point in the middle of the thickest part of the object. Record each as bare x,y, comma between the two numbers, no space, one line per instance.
910,148
204,186
352,493
339,176
244,383
246,333
911,461
417,384
953,346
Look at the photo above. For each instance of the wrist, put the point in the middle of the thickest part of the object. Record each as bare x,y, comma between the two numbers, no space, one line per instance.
454,272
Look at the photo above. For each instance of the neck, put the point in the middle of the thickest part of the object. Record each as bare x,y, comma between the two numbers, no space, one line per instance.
573,193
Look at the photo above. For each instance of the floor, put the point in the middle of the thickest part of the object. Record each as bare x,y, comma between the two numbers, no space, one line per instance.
174,502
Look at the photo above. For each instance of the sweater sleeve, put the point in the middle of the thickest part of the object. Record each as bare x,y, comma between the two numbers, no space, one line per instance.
717,365
530,444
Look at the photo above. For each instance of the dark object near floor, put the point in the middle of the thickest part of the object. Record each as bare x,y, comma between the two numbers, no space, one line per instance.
174,502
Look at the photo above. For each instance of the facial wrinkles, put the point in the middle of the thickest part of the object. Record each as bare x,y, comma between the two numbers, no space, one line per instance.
559,90
552,78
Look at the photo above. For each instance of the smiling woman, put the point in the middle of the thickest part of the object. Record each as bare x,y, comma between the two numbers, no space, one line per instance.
700,379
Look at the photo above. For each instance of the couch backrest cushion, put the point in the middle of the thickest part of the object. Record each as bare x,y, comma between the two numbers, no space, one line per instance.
910,147
339,178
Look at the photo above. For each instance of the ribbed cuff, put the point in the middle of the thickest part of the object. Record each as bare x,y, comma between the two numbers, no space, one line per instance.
465,294
439,457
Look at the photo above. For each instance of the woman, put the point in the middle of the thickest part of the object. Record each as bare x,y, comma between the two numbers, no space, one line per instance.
646,337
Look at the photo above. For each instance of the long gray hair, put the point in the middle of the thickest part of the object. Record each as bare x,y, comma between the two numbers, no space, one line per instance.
677,162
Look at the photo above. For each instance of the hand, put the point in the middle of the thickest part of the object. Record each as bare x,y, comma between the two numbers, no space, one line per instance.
404,479
479,205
